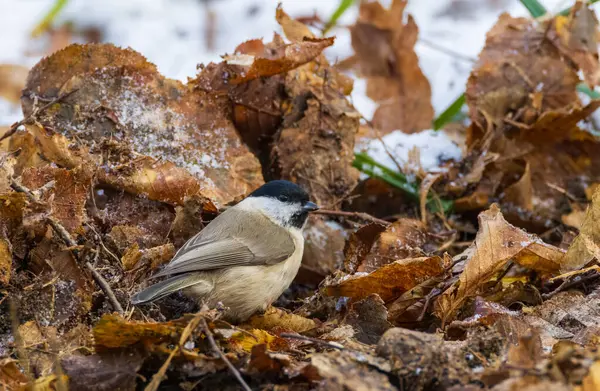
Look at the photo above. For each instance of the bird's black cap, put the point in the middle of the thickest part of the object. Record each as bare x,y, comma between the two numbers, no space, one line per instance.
282,190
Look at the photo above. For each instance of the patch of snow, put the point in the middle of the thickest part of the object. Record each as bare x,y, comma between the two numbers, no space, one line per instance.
172,34
9,112
434,147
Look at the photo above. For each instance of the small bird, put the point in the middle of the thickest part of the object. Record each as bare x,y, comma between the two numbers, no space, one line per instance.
245,258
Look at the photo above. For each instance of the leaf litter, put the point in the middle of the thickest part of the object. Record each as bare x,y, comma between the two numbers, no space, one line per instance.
116,166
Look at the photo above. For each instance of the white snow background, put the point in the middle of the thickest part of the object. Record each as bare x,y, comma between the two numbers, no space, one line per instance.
172,35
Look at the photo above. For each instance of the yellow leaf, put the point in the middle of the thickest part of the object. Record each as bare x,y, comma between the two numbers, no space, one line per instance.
389,281
247,342
275,317
592,381
112,331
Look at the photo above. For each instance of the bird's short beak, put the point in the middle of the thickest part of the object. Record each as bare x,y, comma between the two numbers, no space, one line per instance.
310,207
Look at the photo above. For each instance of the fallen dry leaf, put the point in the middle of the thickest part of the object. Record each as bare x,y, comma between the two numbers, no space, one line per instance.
585,247
5,261
527,353
359,244
497,243
369,317
576,36
592,381
67,196
385,56
131,116
112,331
389,281
277,318
248,340
404,238
106,371
294,30
342,371
516,62
11,377
12,81
282,60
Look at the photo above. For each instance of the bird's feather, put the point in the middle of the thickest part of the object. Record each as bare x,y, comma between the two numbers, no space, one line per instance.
226,243
170,285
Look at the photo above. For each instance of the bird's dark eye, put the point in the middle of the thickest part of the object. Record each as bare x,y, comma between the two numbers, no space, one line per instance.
283,198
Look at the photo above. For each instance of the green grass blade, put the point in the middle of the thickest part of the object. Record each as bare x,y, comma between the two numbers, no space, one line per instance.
342,7
535,8
450,113
583,88
367,165
47,20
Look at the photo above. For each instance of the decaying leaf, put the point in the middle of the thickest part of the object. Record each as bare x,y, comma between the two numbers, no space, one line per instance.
576,36
12,81
405,238
341,371
425,360
112,331
276,318
516,62
385,56
389,281
586,245
282,60
263,361
359,244
592,381
248,340
67,196
294,30
106,371
5,261
369,318
127,116
527,353
11,377
496,244
408,309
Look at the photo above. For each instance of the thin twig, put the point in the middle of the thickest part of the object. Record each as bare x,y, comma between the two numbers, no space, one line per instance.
102,244
185,334
13,128
313,340
240,330
66,237
357,215
433,293
570,283
217,350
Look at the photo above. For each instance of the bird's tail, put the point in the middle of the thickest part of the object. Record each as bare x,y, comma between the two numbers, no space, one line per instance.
171,285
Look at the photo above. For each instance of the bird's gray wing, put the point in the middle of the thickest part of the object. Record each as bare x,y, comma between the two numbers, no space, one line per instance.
225,243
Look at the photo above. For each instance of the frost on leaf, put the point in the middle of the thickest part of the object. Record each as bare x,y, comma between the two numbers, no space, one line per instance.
280,60
145,133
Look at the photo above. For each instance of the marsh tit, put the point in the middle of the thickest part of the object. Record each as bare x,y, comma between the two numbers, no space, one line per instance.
245,258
